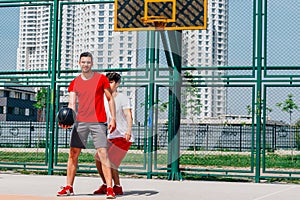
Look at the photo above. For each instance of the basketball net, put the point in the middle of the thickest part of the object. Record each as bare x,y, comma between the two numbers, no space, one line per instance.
159,25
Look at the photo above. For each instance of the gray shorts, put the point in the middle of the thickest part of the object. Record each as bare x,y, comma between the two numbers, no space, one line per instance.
80,133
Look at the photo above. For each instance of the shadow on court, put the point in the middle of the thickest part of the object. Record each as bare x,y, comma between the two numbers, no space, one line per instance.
45,187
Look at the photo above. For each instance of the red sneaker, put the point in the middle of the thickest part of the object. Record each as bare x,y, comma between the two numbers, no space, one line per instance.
66,191
110,193
118,190
101,190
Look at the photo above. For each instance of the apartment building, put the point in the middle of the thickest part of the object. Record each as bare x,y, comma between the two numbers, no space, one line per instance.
89,27
17,104
209,48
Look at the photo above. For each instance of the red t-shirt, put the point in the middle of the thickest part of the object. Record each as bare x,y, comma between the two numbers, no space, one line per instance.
90,95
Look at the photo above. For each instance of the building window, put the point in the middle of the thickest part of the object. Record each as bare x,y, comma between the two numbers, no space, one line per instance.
101,39
100,33
6,93
17,111
1,110
22,111
10,110
27,112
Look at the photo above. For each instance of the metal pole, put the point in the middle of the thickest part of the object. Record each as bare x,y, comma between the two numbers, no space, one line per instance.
167,52
151,102
175,38
53,86
259,88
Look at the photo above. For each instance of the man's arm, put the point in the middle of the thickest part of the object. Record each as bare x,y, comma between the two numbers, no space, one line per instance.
128,115
72,101
112,109
72,104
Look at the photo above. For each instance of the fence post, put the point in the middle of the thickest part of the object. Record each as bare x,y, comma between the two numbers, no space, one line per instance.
257,48
275,137
30,136
241,138
206,137
53,83
138,138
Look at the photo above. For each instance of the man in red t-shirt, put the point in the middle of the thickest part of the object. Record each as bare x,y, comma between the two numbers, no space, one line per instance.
88,91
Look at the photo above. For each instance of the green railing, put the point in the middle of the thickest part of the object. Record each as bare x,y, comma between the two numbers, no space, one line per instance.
160,79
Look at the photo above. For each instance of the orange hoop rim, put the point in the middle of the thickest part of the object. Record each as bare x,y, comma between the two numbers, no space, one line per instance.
159,25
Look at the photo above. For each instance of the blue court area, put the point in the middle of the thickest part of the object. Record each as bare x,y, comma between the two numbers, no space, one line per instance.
43,187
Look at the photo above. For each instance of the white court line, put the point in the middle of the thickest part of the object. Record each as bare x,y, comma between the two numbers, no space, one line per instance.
271,194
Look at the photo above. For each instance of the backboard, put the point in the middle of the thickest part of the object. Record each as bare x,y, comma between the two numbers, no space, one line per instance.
135,15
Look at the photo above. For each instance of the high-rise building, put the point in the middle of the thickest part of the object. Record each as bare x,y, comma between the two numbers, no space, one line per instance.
209,48
33,38
89,27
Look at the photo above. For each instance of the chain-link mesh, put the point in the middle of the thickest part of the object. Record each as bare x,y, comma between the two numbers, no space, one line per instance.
226,103
9,34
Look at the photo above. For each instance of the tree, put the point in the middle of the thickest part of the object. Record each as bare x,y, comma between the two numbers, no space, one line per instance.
289,106
192,106
268,109
41,102
249,109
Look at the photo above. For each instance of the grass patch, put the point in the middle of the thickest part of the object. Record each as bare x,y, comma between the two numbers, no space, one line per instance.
216,160
229,160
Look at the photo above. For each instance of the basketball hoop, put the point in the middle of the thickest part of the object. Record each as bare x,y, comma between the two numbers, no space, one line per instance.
159,25
159,22
146,15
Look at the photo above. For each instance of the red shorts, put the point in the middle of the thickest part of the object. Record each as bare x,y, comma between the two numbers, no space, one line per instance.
117,149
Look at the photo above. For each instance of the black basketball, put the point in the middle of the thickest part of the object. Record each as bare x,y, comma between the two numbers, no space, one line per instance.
66,116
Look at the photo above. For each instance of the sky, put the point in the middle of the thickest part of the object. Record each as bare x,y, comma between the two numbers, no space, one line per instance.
9,34
283,47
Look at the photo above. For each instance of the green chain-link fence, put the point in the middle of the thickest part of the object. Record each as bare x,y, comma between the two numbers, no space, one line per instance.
226,105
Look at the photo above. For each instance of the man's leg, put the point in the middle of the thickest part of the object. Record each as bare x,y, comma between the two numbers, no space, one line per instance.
105,164
115,175
103,188
99,168
72,165
71,172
